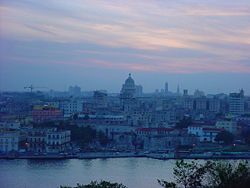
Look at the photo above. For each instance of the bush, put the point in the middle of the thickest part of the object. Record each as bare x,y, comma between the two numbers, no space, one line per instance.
95,184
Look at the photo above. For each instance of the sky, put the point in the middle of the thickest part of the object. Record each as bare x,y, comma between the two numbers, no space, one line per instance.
198,44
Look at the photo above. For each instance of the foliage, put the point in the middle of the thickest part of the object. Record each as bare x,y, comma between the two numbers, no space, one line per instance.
95,184
102,138
225,136
188,174
227,175
245,133
184,123
209,175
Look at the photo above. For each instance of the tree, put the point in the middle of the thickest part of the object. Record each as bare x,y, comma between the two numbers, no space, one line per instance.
184,123
82,135
187,175
225,137
209,175
95,184
102,138
229,175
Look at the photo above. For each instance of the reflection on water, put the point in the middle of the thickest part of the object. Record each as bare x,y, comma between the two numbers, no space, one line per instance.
133,172
47,164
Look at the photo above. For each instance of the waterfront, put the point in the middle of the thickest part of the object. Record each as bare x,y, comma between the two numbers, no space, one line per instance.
132,172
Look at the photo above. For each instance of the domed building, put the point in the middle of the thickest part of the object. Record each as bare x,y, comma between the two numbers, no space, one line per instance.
127,93
128,89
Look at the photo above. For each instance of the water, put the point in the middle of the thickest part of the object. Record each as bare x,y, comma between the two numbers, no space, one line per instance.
132,172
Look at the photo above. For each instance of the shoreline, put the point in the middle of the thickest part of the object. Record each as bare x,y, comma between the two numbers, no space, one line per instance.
96,155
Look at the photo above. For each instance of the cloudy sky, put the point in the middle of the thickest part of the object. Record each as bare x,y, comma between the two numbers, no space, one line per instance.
95,44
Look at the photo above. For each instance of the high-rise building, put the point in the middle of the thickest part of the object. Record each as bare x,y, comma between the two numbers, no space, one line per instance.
185,92
236,103
166,87
199,93
138,90
74,91
178,89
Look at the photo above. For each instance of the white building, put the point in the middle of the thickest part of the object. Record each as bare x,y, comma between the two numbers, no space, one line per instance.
57,141
71,107
204,134
49,140
9,141
228,125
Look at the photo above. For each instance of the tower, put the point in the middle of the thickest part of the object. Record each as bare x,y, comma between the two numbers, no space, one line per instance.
178,89
166,87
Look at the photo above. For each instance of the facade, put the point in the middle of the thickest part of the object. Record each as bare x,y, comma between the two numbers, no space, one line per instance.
9,141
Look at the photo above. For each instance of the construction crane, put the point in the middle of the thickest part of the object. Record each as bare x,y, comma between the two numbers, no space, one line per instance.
31,87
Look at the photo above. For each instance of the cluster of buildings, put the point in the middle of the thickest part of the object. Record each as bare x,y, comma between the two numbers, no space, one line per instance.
130,119
20,138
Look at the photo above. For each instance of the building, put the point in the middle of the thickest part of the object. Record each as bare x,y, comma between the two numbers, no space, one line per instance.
74,91
236,103
57,140
46,113
10,125
48,140
166,88
200,104
214,105
198,93
228,125
204,133
138,90
9,141
185,92
71,107
188,102
36,140
162,139
127,94
100,99
128,88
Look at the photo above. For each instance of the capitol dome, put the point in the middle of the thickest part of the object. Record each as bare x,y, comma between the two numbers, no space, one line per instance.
129,80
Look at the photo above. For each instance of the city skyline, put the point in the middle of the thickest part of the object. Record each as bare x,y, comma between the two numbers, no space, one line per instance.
196,44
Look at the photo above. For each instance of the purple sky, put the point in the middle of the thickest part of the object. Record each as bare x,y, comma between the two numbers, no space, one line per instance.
95,44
